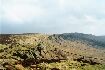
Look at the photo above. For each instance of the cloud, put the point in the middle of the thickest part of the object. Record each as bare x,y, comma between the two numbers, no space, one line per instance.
54,16
20,11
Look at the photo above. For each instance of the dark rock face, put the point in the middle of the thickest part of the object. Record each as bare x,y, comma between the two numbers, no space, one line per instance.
5,39
55,69
39,48
25,54
31,56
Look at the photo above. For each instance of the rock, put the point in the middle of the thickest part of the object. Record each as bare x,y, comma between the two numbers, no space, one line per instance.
19,67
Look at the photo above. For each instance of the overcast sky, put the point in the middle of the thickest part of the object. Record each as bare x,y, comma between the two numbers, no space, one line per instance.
52,16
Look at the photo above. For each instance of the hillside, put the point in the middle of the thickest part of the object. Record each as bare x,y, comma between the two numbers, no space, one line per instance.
68,51
98,41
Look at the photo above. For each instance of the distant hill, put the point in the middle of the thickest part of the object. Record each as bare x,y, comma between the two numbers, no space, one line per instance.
98,41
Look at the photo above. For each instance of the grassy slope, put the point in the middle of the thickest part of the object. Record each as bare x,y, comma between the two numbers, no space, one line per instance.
54,49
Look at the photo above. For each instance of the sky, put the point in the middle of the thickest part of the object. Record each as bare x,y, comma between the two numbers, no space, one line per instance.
52,16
